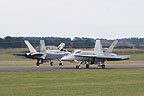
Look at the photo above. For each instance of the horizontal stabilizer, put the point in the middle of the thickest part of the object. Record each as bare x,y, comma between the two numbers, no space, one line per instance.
18,54
22,57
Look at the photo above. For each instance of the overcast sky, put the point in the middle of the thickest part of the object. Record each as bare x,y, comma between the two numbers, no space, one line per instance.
109,19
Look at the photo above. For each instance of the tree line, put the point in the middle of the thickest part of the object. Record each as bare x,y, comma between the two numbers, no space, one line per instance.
77,42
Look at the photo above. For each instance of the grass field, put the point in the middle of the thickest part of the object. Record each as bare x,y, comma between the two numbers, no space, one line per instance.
73,83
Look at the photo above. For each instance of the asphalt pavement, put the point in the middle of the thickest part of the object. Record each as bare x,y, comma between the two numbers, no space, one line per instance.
69,67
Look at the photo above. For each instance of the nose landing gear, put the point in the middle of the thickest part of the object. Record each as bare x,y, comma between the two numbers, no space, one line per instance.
51,63
103,66
87,66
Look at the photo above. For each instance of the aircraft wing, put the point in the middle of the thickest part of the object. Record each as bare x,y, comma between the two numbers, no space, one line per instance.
20,56
107,58
36,54
33,54
114,58
30,55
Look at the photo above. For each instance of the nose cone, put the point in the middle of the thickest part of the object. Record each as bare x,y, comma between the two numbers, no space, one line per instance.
127,57
67,58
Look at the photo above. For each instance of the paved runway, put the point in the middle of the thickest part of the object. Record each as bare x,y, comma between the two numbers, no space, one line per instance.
66,67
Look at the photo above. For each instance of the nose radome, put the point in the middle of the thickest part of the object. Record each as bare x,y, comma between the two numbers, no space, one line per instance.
65,58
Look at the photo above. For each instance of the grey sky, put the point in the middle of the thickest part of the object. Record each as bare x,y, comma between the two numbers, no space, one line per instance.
69,18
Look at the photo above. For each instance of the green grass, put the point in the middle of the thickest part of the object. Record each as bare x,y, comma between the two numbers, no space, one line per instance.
6,54
12,50
10,57
17,63
136,54
73,83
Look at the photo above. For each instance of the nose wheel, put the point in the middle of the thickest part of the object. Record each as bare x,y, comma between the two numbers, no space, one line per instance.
103,66
77,67
87,66
51,63
37,63
60,64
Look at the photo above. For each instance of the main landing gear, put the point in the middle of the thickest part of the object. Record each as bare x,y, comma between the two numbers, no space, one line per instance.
77,66
61,64
39,62
51,63
100,64
103,66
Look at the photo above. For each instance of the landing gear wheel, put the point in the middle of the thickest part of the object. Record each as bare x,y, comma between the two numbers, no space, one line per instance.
87,66
51,63
37,64
60,64
77,67
103,66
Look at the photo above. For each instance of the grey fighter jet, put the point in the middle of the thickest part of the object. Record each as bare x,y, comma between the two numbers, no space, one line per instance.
95,57
44,55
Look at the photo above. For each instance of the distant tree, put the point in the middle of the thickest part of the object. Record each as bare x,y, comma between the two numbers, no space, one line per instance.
77,42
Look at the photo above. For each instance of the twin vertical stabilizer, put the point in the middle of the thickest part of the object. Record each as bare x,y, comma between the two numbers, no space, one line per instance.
99,50
109,50
30,47
61,46
42,47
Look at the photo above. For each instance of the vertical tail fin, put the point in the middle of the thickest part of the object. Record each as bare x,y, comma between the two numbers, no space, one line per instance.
98,48
109,50
30,47
42,47
61,46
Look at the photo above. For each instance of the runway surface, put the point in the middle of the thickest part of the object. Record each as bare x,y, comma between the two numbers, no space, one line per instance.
67,67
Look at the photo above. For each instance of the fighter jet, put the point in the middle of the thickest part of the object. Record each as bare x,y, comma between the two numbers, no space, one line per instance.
97,57
44,55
